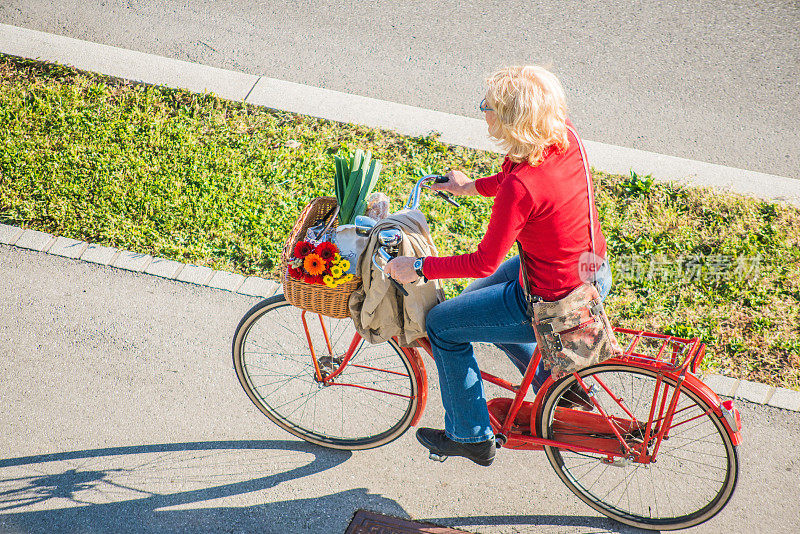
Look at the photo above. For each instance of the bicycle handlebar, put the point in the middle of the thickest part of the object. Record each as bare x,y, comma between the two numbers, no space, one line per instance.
414,196
413,203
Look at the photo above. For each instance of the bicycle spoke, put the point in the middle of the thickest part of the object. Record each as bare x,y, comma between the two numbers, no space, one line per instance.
370,400
687,483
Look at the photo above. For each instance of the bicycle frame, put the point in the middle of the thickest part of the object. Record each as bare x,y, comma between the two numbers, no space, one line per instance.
516,421
418,367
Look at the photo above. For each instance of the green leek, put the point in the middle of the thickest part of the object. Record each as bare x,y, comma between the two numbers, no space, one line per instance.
354,179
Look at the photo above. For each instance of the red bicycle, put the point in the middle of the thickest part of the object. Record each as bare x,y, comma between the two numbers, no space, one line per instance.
639,438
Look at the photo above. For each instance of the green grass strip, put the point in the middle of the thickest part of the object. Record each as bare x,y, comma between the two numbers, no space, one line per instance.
206,181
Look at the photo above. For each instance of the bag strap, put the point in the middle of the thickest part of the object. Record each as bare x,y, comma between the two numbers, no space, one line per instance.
590,196
529,298
589,188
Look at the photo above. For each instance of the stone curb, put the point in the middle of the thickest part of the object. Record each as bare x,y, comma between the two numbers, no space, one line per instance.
251,286
9,235
254,286
164,268
371,112
227,281
755,392
132,261
69,248
35,240
99,254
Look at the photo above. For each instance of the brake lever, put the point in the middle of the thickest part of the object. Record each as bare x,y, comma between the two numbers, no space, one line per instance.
386,257
448,197
444,194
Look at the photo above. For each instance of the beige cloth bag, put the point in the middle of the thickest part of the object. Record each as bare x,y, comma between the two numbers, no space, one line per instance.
378,310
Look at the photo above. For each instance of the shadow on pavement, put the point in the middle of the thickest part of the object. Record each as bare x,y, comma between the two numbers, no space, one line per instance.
157,488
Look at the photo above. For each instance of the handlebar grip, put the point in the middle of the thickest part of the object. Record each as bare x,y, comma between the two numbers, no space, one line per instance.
443,180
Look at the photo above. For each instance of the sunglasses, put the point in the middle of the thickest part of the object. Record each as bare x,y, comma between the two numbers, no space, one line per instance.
484,106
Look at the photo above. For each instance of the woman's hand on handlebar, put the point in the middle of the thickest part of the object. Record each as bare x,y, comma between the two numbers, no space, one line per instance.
457,184
402,269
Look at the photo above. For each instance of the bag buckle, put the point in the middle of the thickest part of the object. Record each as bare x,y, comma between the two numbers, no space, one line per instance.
553,338
555,342
532,299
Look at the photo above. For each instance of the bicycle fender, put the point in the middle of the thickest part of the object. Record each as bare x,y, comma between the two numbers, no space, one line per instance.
422,382
707,394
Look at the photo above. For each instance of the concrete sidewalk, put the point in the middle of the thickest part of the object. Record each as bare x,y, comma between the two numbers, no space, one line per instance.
122,413
342,107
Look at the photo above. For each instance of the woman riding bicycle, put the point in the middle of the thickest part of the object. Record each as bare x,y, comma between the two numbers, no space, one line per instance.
541,202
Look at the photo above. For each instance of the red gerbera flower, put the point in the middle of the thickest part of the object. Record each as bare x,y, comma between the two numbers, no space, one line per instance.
303,249
326,250
296,274
308,279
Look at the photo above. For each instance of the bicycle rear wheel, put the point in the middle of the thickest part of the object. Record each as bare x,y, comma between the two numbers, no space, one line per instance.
370,404
696,468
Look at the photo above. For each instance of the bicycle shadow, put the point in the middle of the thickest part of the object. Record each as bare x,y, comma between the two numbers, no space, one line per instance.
597,525
132,490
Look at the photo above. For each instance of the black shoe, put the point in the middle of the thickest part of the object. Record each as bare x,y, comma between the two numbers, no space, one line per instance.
482,453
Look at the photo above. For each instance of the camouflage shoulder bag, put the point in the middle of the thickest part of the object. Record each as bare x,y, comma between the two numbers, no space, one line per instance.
573,332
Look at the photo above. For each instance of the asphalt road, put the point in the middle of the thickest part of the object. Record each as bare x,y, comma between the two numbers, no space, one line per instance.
714,81
121,412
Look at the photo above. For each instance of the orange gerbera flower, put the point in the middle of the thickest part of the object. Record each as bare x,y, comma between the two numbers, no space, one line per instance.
314,265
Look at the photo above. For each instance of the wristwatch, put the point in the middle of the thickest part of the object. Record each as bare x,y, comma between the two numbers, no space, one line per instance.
418,268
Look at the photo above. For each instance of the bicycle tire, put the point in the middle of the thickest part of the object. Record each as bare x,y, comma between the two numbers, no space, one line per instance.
275,368
708,477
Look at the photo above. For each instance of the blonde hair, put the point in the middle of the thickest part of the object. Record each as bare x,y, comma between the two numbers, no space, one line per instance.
531,112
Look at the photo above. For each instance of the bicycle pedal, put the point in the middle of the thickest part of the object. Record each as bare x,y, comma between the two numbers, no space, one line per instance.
618,462
438,458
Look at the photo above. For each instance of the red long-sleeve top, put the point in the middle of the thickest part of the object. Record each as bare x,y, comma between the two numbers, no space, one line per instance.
546,208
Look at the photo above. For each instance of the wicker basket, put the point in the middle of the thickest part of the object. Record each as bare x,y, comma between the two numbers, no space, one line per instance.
318,298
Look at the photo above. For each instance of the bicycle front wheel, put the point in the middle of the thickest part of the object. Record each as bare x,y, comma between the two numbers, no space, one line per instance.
696,468
371,403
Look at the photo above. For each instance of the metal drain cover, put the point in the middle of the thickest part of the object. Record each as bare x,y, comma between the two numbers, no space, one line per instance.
365,522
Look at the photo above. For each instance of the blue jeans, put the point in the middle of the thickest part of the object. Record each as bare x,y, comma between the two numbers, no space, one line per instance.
490,309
